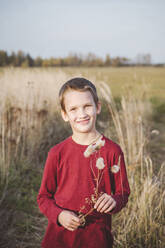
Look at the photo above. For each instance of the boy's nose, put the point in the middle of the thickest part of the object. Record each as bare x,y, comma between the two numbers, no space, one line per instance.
81,113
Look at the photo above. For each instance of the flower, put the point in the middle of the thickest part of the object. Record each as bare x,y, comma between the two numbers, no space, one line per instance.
115,168
100,163
94,147
90,149
155,131
99,144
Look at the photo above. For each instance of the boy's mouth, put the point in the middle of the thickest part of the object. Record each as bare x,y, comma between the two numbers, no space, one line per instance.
83,121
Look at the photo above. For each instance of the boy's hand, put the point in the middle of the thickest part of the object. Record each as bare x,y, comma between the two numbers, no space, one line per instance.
69,220
105,203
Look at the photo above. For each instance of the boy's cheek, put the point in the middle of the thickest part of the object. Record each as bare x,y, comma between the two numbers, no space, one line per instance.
91,112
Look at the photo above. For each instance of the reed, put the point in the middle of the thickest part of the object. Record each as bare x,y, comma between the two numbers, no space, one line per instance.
27,99
30,124
140,224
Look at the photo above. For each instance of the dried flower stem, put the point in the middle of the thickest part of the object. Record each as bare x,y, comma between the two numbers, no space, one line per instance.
90,211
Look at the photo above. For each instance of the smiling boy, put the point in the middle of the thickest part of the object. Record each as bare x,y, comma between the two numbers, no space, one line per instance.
85,179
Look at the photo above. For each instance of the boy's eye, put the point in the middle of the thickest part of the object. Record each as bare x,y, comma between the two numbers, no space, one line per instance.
88,105
72,109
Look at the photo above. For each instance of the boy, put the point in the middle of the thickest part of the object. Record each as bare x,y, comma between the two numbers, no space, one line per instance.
84,180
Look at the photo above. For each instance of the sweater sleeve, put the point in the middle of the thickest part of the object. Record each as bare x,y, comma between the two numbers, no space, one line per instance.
45,198
120,183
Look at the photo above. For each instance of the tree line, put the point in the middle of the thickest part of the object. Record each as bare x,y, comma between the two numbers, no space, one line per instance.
21,59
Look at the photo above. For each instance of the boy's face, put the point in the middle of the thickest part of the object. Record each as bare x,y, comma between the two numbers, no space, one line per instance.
81,111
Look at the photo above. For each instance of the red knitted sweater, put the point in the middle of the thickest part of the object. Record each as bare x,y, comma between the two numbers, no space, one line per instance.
68,181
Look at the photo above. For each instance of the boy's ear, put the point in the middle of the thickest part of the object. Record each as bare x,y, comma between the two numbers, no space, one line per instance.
64,115
98,107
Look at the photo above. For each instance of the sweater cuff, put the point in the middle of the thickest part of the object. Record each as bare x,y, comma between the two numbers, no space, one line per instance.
121,201
58,223
58,211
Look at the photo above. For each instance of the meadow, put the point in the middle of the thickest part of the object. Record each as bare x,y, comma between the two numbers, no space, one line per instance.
133,115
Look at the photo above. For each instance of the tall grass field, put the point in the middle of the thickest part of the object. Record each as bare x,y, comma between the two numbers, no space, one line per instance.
133,115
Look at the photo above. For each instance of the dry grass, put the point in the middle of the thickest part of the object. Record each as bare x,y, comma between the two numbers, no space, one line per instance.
27,99
30,124
128,123
141,223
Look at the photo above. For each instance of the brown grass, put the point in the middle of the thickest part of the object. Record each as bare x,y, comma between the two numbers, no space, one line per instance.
30,124
141,223
28,99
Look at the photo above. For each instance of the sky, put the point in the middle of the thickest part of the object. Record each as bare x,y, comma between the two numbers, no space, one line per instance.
53,28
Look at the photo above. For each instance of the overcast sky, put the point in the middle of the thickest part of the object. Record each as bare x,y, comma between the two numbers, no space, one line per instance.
57,27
